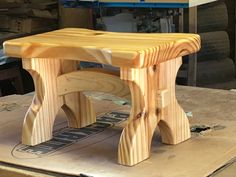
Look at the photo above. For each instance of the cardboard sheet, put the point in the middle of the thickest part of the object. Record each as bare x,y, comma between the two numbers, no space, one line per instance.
93,150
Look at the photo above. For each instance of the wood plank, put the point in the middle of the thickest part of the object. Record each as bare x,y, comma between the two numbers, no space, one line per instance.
193,3
39,119
117,49
89,80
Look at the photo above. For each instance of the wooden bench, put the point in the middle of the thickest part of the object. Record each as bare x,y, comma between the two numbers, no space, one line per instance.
148,66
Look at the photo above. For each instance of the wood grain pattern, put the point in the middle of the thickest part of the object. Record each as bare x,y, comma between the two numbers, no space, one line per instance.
77,106
173,125
148,62
194,3
145,84
117,49
162,98
92,80
39,119
135,141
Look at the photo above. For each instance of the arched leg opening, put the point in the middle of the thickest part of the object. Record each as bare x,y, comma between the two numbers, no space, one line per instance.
135,140
174,125
77,106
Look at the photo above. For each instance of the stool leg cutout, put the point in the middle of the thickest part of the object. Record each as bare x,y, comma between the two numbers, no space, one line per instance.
79,110
77,106
135,141
174,125
39,120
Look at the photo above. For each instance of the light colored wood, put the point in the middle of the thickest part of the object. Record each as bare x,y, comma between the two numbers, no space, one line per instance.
149,64
89,80
162,98
194,3
145,84
39,119
117,49
173,125
77,106
136,137
86,112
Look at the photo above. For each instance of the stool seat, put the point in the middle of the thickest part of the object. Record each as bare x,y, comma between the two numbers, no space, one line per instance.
148,67
134,50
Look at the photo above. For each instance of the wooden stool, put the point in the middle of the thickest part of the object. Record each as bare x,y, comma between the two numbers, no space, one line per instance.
148,66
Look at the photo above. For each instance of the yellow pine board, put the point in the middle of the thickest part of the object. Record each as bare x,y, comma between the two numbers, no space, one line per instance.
117,49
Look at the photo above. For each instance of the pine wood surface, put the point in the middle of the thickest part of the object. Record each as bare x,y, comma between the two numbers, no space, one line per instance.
39,119
117,49
92,80
148,66
147,113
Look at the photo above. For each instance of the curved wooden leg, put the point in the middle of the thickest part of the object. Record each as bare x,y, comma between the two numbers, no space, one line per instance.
77,106
40,117
135,141
174,125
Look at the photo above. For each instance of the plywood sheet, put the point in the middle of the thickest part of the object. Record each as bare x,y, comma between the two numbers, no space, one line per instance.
96,155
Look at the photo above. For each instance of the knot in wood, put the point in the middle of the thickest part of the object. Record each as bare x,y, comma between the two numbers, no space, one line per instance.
158,111
141,114
154,68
